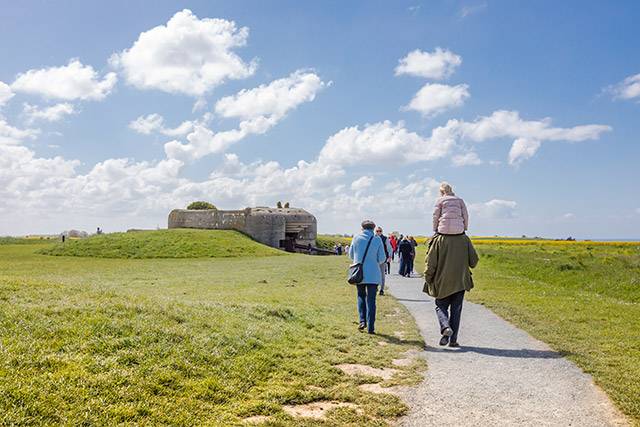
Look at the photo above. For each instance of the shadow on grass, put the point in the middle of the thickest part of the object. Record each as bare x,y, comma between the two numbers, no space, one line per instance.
500,352
391,339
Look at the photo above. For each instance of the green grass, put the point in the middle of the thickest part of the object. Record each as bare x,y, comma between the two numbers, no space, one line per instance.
174,243
584,301
187,341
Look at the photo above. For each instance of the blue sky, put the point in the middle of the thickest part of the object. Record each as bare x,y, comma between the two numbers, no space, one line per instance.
528,109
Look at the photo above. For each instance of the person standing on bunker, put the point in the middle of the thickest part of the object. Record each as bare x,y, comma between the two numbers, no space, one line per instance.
366,248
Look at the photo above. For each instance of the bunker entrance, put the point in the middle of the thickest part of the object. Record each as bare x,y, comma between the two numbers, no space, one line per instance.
289,241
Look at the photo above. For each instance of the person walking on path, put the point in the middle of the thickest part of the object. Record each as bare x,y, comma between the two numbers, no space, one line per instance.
394,246
446,278
387,253
413,256
406,251
368,288
450,214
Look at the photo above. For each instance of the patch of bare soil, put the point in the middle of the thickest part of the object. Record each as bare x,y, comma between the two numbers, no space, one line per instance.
355,369
316,410
256,419
378,389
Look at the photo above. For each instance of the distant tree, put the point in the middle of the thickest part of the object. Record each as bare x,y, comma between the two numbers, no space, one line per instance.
200,205
279,205
286,205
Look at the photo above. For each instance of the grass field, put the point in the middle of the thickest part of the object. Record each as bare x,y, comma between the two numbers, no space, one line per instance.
174,243
205,341
582,298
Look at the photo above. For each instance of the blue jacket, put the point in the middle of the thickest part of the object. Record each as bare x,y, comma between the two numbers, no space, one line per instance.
375,256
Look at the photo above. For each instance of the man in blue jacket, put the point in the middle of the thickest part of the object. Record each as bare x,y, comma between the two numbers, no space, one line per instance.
372,277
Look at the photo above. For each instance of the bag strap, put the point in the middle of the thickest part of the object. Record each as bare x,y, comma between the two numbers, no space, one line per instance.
366,250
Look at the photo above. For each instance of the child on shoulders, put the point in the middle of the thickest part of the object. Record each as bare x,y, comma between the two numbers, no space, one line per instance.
450,214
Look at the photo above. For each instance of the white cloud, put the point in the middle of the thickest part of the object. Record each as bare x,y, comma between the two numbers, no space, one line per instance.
53,113
187,55
273,101
470,10
68,82
436,65
467,159
362,183
384,143
509,124
523,149
152,123
259,108
629,88
10,135
494,209
569,216
436,98
5,93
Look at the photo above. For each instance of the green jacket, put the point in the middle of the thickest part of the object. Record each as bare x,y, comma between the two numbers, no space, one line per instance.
447,265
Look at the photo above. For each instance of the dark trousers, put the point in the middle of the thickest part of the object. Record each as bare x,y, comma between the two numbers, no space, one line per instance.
448,310
367,304
405,262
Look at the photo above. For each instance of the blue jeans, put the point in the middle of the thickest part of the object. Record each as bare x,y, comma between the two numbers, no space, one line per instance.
449,310
367,304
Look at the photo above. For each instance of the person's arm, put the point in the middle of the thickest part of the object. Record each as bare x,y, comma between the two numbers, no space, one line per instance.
431,263
437,211
389,250
465,215
473,255
380,256
351,251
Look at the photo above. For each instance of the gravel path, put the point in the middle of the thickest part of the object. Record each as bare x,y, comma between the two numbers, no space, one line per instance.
500,376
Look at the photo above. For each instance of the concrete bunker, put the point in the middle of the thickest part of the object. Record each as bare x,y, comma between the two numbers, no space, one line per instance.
290,229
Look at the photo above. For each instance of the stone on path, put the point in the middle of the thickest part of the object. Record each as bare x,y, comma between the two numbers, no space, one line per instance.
499,376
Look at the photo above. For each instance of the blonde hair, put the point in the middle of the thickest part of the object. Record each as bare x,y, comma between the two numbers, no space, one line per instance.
445,189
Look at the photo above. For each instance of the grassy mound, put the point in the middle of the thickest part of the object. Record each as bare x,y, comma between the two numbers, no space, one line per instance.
175,243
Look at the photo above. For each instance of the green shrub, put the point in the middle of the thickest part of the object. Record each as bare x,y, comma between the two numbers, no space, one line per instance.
200,205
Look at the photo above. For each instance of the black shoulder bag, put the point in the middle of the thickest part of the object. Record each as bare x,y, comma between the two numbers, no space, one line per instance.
356,273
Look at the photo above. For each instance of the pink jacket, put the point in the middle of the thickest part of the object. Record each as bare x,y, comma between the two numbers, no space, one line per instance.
450,215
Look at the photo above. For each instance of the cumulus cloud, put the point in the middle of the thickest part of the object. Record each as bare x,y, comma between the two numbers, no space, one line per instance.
383,142
629,88
259,109
53,113
362,183
187,55
436,98
494,209
154,123
10,135
467,159
509,124
523,149
437,65
272,101
5,93
68,82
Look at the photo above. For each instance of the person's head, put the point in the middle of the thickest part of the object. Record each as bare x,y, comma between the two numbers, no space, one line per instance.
379,231
367,224
445,189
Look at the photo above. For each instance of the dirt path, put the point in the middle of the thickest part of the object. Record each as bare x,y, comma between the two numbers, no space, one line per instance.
500,375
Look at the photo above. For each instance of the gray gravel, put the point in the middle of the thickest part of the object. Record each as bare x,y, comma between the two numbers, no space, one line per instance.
499,376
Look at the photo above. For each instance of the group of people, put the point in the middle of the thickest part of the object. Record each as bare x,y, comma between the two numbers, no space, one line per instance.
447,275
